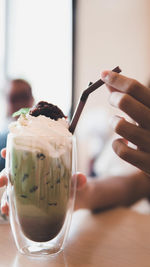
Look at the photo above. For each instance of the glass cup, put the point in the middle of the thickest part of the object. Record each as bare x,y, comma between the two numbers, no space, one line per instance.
41,191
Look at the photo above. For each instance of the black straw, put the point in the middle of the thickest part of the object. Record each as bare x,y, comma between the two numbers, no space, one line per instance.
92,87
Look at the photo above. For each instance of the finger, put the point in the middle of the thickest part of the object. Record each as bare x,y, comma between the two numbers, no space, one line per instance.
3,153
136,110
133,133
5,209
3,178
127,85
137,158
81,181
4,204
125,141
111,89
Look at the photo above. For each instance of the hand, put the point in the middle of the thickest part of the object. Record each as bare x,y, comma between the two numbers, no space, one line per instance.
3,182
134,99
81,181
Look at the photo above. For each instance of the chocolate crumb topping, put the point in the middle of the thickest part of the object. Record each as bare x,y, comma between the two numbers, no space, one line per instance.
48,110
58,181
24,196
25,176
40,156
33,189
52,204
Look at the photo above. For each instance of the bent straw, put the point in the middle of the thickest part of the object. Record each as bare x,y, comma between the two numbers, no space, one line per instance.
92,87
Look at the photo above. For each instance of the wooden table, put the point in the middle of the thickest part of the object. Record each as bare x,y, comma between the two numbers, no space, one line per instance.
119,238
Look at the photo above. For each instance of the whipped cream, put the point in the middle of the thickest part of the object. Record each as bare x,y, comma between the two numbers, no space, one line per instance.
41,134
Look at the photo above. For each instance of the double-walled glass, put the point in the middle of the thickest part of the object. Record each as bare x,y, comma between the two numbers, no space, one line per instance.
41,191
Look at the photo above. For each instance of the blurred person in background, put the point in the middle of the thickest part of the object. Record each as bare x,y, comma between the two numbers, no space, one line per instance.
17,94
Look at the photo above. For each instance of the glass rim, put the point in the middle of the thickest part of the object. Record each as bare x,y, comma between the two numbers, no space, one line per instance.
38,135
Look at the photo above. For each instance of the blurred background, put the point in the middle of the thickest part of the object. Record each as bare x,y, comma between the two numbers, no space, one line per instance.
108,33
46,41
36,45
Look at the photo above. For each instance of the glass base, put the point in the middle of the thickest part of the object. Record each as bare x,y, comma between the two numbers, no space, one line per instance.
40,250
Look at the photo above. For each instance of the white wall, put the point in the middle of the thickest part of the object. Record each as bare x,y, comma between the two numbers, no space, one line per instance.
109,33
40,48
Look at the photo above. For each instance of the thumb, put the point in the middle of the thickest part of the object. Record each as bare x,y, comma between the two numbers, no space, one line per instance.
4,204
81,180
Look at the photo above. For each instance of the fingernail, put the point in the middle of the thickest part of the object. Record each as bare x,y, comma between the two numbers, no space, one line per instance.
114,121
115,98
105,75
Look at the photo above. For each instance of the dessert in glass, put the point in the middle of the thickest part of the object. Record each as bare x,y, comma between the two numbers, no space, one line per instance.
41,167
